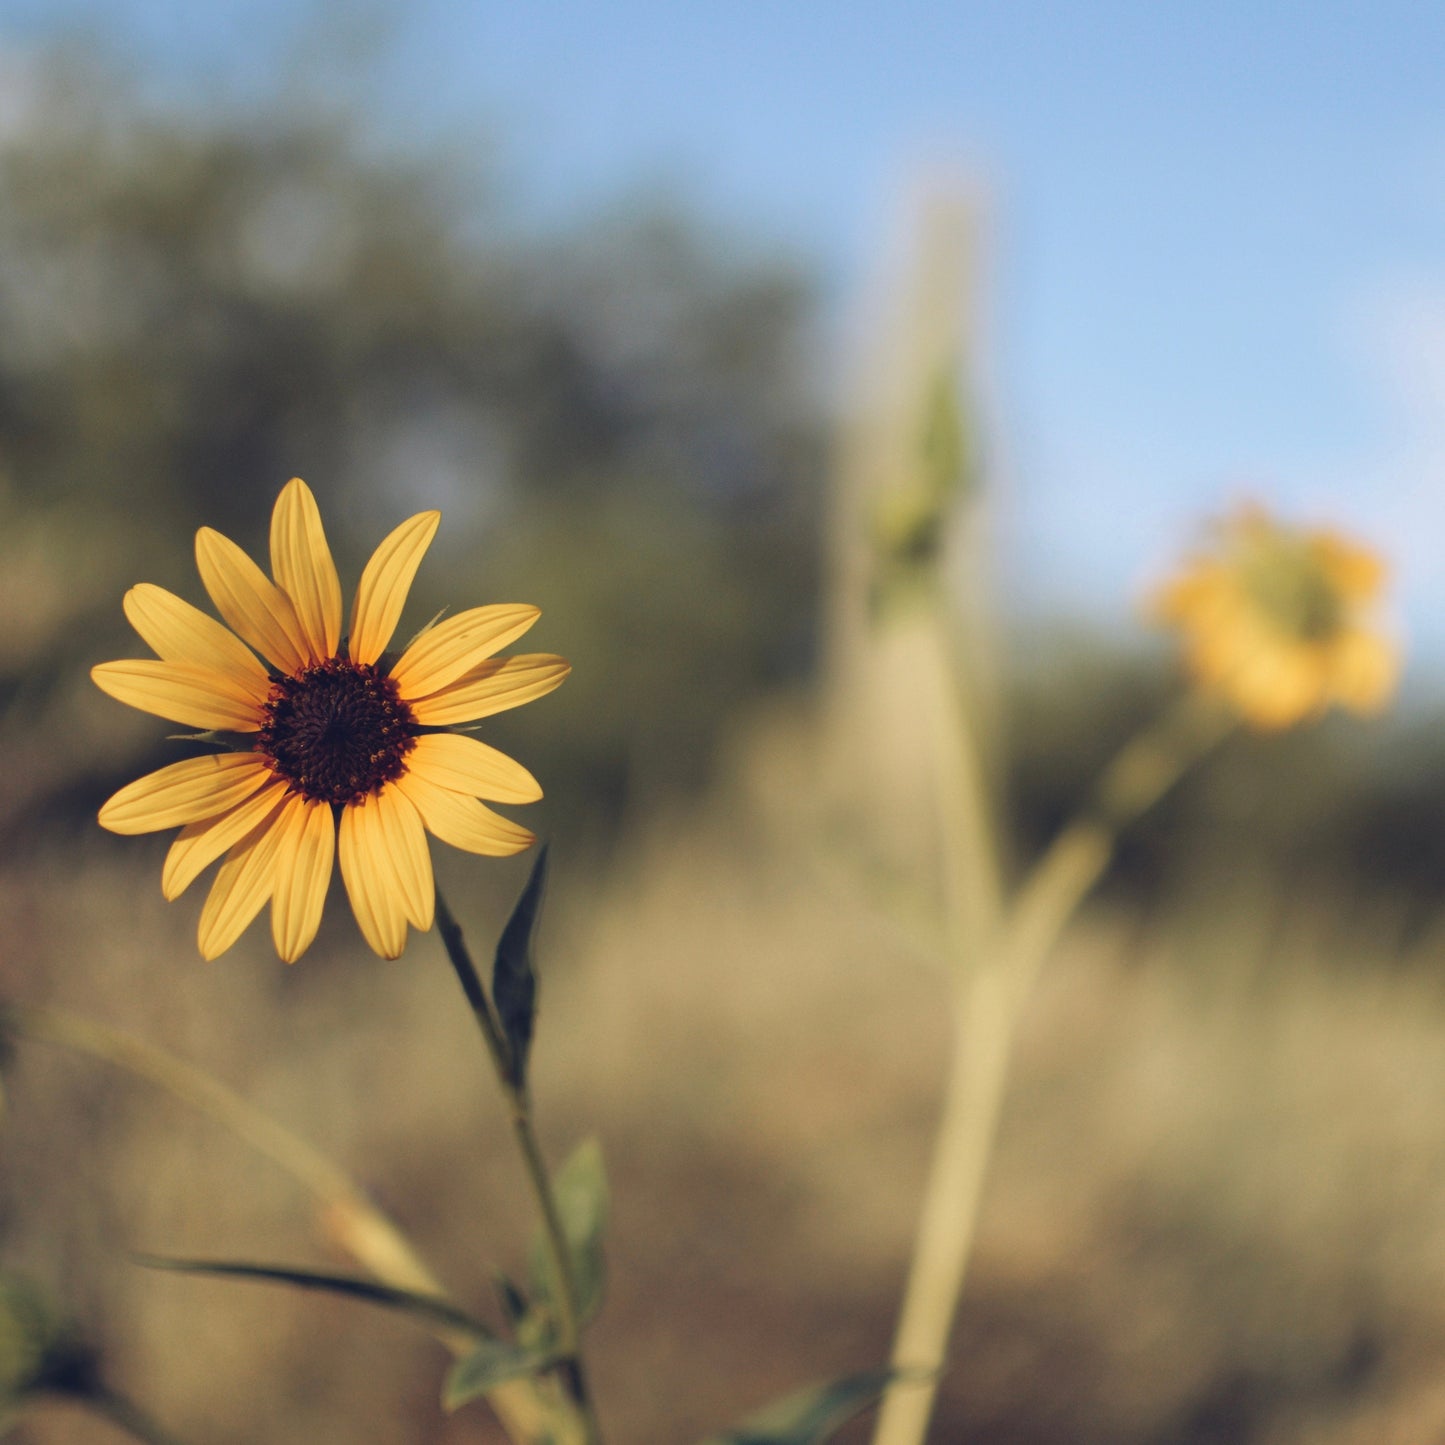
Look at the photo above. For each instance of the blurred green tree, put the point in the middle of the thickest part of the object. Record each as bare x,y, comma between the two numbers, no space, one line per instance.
195,307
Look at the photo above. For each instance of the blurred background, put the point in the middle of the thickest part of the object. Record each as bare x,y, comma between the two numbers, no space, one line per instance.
613,287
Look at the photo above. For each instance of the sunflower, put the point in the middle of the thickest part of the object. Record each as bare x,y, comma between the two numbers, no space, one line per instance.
337,747
1281,622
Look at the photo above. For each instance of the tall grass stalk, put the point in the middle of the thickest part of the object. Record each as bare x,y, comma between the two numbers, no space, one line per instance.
991,990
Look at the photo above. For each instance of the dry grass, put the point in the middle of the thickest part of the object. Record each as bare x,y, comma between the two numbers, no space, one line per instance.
1217,1213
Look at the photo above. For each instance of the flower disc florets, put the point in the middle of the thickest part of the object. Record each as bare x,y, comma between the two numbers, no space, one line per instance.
1292,587
337,731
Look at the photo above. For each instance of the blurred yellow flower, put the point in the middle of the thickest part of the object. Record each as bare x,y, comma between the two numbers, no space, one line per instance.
328,727
1280,622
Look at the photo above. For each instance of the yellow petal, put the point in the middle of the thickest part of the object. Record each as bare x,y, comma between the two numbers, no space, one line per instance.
467,766
384,584
444,652
301,563
1365,671
1181,599
405,840
1277,687
254,607
370,878
492,687
303,872
463,822
198,845
185,792
179,632
1355,571
243,884
200,697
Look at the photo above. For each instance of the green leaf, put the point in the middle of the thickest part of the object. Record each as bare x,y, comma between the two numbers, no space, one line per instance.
533,1328
426,1308
810,1415
514,980
537,1330
490,1365
580,1189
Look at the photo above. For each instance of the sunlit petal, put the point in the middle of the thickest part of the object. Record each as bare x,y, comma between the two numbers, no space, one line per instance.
301,563
185,792
382,593
199,697
254,607
463,822
303,872
492,687
243,884
1357,571
466,765
456,645
370,877
405,842
198,845
1367,671
179,632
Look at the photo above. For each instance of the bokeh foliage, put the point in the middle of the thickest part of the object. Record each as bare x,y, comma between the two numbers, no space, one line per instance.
615,419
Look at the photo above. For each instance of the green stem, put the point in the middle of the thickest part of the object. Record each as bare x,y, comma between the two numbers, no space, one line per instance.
554,1240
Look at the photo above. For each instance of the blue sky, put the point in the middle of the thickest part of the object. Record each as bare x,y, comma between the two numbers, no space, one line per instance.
1217,255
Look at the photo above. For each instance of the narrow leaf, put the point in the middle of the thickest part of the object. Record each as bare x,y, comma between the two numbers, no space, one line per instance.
211,738
580,1188
419,1306
490,1365
514,980
811,1415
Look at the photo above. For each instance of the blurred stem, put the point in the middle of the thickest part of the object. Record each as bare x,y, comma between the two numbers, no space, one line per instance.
376,1241
990,1000
349,1217
973,886
519,1107
1140,774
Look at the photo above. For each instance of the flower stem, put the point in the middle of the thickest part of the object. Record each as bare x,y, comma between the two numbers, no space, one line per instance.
519,1106
992,994
1141,773
968,832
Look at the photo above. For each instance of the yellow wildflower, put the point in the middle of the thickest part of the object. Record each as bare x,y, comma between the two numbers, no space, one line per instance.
326,728
1281,622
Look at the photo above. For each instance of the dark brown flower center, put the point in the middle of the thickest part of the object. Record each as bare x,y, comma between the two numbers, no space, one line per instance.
337,731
